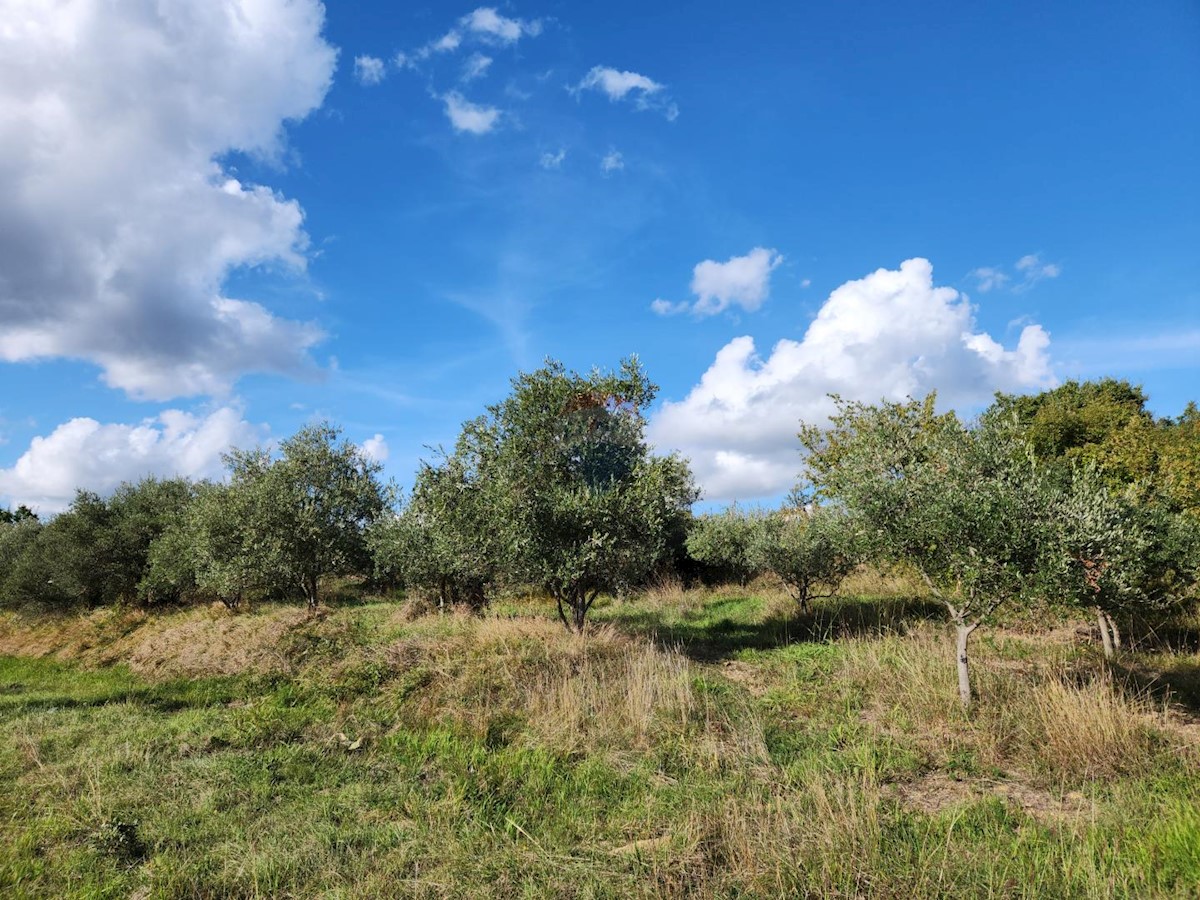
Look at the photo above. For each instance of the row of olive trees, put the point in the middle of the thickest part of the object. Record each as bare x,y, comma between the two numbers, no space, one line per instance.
553,489
279,524
983,517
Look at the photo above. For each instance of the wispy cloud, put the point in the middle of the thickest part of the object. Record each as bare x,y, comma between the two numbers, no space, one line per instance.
553,160
1033,270
483,25
369,70
617,85
1025,273
613,161
476,66
989,278
490,25
472,118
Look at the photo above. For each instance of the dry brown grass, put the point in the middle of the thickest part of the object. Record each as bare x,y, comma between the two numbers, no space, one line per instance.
666,590
195,642
873,581
574,693
1065,722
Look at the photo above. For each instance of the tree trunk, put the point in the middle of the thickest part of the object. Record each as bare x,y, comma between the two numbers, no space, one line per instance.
310,590
1102,621
579,608
962,633
1112,627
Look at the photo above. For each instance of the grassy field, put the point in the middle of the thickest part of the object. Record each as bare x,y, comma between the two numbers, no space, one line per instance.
707,744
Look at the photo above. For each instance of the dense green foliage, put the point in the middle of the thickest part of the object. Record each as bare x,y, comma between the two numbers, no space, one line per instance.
576,502
1075,494
811,550
727,545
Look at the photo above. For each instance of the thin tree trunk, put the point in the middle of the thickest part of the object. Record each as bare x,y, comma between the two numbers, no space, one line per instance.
962,633
1112,627
579,609
1105,637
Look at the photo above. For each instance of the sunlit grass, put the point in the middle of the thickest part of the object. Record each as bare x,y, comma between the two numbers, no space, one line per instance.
711,743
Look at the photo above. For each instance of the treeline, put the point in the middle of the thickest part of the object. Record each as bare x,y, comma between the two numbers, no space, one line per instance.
1075,495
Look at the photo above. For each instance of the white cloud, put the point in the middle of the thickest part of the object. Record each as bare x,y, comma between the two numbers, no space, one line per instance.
645,92
989,278
447,43
553,160
484,25
613,162
1029,270
120,225
476,66
470,117
490,25
667,308
376,448
369,70
1034,270
617,84
84,453
891,334
742,281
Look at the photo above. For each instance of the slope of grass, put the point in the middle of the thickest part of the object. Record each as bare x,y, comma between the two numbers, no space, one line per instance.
707,744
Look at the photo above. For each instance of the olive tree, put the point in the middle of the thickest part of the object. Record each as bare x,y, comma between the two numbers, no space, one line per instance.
1120,554
727,544
444,541
811,549
578,504
308,508
970,509
282,522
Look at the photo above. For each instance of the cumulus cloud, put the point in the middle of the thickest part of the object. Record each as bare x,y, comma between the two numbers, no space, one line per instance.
743,281
470,117
119,224
891,334
84,453
645,92
369,70
376,448
613,161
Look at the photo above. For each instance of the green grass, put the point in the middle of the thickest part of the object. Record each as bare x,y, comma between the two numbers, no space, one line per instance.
745,751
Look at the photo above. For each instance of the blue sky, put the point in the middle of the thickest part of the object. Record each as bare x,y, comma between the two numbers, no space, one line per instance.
219,221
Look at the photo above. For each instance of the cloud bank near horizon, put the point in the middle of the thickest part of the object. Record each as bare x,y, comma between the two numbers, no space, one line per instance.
891,334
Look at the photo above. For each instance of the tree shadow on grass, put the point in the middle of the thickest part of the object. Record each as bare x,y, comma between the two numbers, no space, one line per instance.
709,634
165,697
